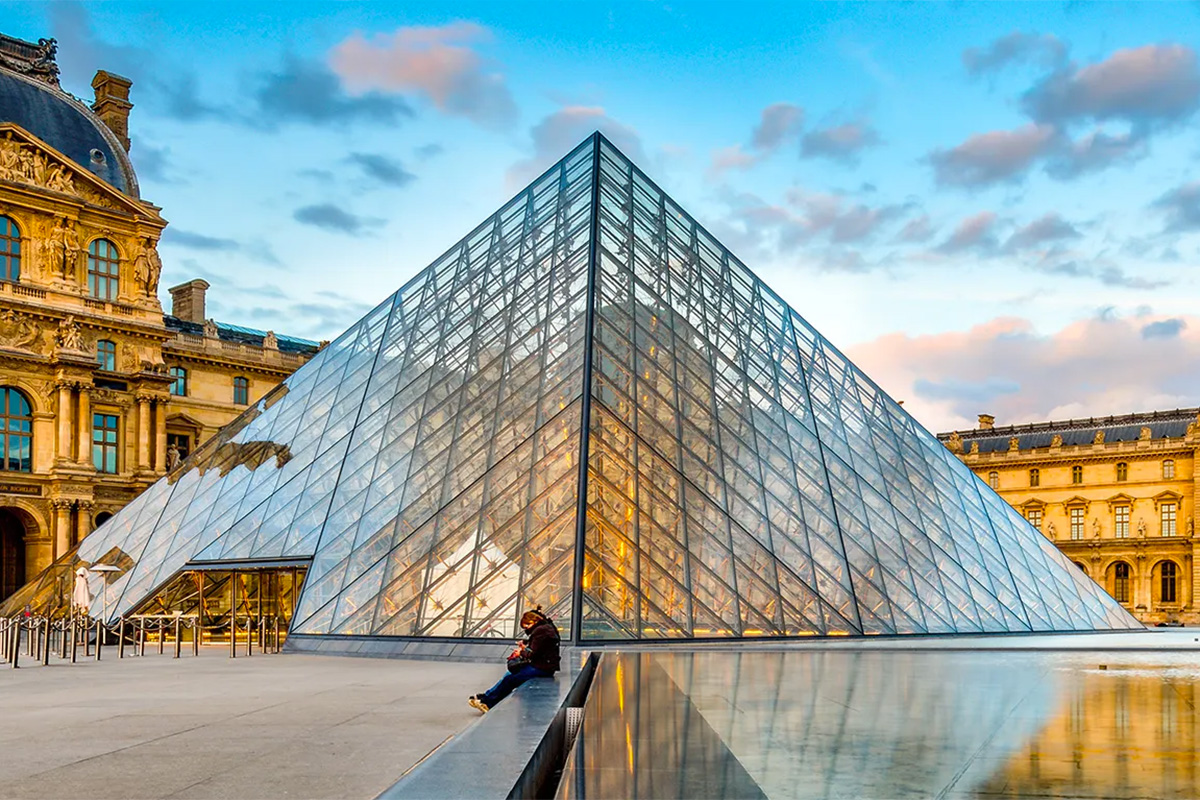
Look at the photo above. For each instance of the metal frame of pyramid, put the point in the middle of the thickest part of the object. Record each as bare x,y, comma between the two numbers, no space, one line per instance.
591,405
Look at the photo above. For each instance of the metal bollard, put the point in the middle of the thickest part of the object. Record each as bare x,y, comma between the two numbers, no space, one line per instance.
121,638
46,642
196,637
162,632
16,645
64,625
232,635
74,638
177,643
29,639
141,636
99,637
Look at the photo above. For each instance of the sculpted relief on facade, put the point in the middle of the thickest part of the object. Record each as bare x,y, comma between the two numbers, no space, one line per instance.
21,163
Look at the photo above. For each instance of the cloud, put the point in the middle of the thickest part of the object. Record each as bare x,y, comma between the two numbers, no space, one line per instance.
842,143
307,91
198,241
1007,368
919,229
437,63
557,133
1181,206
1164,329
257,250
1095,152
380,168
778,124
1048,228
993,157
81,52
428,151
976,233
179,99
1145,85
1015,48
329,217
810,215
152,163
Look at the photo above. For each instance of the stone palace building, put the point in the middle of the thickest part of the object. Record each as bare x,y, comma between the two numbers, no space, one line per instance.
101,392
1115,494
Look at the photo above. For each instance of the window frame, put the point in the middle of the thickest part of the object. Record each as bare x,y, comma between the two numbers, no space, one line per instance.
102,446
1122,471
23,431
244,388
1035,477
1168,514
1121,521
110,276
1077,522
10,249
102,359
1122,584
1168,581
993,480
1077,475
1035,517
1168,469
180,376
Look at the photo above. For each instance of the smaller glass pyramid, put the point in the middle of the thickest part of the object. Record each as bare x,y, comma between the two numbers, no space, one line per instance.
591,405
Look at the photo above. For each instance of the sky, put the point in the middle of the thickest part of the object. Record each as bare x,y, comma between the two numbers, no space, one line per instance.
991,208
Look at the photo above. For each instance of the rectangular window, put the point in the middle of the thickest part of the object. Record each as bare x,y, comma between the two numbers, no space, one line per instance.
1076,523
179,385
106,355
104,442
181,442
1169,468
1034,515
1121,522
1168,519
241,391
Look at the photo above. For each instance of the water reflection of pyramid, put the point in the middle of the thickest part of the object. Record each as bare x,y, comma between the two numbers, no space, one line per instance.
742,478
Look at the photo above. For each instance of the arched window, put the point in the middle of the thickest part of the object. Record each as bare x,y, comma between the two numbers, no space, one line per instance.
1169,468
1035,477
994,480
1122,471
241,391
1121,582
179,386
102,518
104,265
1166,582
106,355
16,431
1082,567
1077,474
10,250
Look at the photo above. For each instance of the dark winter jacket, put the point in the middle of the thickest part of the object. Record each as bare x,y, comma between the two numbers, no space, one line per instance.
543,646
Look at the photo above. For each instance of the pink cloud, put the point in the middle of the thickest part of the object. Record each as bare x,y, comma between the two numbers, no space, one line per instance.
1007,368
992,157
435,62
558,132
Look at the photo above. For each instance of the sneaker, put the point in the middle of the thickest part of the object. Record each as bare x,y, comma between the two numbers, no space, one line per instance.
475,702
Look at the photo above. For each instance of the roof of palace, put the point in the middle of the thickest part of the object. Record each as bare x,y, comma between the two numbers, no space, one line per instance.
1122,428
31,97
237,333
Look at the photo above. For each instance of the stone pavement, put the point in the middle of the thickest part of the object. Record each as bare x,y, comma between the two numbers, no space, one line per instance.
295,726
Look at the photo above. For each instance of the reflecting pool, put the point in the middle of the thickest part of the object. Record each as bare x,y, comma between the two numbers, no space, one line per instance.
871,724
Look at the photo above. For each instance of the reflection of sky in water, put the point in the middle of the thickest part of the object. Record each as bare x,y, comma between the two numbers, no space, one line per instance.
890,725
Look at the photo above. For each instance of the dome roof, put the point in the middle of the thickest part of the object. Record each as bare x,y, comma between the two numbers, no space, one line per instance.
63,122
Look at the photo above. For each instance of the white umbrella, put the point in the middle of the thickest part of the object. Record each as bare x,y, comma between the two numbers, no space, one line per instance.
104,586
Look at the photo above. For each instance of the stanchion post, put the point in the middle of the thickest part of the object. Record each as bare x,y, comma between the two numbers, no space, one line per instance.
196,636
141,636
121,638
177,643
74,638
99,636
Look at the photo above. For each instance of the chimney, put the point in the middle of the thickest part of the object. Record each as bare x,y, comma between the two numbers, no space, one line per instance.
986,421
112,103
187,300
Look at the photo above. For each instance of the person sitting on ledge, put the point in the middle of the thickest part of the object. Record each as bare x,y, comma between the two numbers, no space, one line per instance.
537,657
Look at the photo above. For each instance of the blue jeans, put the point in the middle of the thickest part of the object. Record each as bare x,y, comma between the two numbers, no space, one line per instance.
511,680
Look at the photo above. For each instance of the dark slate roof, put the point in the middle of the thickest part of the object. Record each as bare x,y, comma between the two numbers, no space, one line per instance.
1126,428
63,122
236,333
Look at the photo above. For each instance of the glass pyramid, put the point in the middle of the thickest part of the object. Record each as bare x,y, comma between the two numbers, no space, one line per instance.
591,405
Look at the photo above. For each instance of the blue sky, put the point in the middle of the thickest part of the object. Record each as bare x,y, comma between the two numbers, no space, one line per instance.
991,207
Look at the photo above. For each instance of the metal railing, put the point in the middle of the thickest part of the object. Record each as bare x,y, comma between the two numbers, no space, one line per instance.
37,638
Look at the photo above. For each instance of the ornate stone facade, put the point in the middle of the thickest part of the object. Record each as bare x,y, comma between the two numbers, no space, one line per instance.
1116,494
86,349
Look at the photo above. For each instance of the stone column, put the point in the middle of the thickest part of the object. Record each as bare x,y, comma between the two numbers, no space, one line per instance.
84,430
62,526
83,520
160,436
143,442
64,420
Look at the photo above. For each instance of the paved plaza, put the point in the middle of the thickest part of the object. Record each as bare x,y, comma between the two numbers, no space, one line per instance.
295,726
